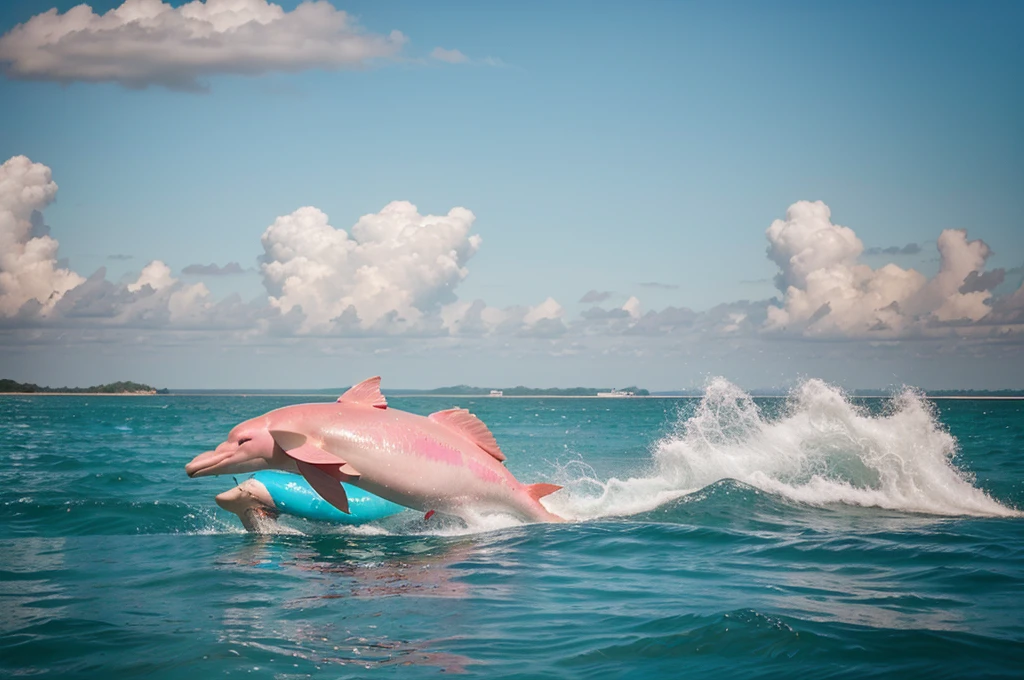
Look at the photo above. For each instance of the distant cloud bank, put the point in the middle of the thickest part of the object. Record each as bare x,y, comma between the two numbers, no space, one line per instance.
909,249
396,273
213,270
595,296
148,42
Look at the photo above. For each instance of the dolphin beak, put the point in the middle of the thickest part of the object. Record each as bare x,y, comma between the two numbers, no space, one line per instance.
225,460
205,463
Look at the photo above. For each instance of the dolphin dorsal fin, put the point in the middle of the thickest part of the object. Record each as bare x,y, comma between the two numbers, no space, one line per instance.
367,392
469,426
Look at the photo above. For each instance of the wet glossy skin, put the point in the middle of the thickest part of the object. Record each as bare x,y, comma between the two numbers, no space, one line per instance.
403,457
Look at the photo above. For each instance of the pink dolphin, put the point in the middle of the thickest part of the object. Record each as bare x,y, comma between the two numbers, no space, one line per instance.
448,461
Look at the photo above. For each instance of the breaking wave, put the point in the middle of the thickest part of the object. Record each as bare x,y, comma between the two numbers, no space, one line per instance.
819,449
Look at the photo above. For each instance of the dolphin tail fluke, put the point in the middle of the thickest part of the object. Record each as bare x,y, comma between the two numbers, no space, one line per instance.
537,510
538,491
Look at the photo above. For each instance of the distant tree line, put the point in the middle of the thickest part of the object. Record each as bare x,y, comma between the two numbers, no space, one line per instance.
121,387
521,391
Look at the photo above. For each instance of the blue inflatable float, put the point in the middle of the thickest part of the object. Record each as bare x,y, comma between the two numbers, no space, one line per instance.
271,492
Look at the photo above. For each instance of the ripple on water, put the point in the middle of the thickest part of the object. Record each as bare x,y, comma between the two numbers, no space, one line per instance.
682,560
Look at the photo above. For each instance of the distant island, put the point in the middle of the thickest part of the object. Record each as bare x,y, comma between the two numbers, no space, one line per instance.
521,391
121,387
974,393
134,388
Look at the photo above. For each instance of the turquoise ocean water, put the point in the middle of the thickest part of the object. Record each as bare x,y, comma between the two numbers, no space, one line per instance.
808,537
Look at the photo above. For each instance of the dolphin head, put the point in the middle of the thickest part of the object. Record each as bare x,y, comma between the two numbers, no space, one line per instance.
249,447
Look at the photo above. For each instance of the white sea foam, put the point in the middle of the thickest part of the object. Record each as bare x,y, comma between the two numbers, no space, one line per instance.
820,449
411,524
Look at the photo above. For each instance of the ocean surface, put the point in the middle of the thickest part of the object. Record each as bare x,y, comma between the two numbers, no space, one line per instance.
814,536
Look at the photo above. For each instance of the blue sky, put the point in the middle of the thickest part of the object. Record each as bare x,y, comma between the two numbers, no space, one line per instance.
600,146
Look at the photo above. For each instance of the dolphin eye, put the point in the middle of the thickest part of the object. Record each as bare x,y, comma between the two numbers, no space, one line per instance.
244,440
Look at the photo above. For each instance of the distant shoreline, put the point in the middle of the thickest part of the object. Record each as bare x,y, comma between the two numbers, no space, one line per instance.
965,397
121,387
81,394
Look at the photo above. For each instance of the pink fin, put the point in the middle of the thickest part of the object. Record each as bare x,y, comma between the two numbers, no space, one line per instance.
538,491
332,471
367,392
325,485
298,447
342,473
469,426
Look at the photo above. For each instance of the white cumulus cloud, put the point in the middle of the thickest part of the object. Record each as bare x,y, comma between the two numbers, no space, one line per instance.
160,299
396,266
807,242
942,295
396,273
28,254
547,310
156,275
188,303
828,292
632,307
148,42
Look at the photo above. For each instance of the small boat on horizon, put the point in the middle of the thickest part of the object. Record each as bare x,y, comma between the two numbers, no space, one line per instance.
616,394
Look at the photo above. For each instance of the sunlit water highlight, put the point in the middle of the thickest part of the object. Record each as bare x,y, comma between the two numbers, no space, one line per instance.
813,536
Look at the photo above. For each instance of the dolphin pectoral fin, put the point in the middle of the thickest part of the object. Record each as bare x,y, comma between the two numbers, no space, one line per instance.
324,484
339,470
298,446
